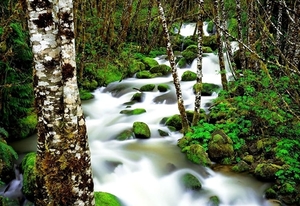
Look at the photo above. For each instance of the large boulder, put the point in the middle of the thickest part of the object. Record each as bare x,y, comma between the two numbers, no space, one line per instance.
188,76
220,146
141,130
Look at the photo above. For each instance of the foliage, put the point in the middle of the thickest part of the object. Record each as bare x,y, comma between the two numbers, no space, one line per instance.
7,154
106,199
15,79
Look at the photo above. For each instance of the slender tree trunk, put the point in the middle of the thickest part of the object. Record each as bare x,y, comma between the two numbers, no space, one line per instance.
64,175
240,35
220,46
185,125
198,87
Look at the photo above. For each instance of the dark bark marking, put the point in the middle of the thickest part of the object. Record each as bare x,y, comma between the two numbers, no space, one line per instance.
51,64
67,71
40,4
44,20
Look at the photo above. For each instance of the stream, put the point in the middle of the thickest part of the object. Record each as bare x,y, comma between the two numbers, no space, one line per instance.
148,172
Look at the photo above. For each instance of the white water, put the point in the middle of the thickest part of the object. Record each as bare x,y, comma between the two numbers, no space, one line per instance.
148,172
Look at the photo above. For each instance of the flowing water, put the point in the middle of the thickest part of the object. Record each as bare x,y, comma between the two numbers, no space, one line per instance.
149,172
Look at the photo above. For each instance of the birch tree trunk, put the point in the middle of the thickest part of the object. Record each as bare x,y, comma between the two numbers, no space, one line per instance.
198,87
64,175
185,125
220,46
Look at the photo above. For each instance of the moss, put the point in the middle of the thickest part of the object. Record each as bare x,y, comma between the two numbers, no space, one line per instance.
126,134
149,62
163,87
141,130
174,121
29,175
7,158
207,49
197,154
182,62
28,125
210,41
135,67
207,89
190,182
242,166
90,84
214,201
144,75
210,27
85,95
136,111
147,87
188,76
163,133
266,171
138,97
162,69
270,193
190,53
106,199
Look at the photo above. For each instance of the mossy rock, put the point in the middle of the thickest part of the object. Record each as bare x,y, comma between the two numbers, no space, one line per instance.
190,182
141,130
196,153
161,69
207,89
147,88
190,115
220,146
190,53
29,175
144,75
264,143
184,142
135,67
149,62
28,125
7,158
266,171
163,87
125,135
249,159
138,97
270,193
106,199
182,62
241,166
163,133
174,121
207,49
85,95
210,41
136,111
188,76
188,41
89,85
213,201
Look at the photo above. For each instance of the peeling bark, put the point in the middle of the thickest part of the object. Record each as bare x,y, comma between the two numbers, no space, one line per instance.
180,103
63,165
196,116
